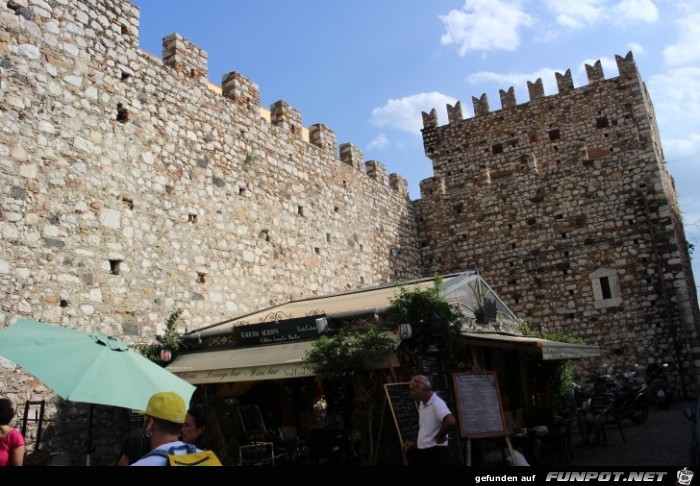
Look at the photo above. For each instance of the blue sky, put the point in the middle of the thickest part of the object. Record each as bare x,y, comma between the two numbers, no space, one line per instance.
367,69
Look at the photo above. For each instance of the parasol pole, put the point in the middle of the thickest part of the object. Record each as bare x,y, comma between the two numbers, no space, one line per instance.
88,442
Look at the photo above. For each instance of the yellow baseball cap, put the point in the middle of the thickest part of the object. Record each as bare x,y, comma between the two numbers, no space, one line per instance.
167,406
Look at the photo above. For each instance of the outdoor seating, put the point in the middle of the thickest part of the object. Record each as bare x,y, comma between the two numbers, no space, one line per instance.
548,436
263,446
257,454
611,419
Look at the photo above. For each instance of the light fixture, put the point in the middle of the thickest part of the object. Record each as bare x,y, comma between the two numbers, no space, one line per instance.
405,331
166,355
322,324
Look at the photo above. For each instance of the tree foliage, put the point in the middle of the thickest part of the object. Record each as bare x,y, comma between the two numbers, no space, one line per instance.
433,321
553,380
348,359
346,353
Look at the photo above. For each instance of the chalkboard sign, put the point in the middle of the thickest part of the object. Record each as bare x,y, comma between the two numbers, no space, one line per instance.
404,411
479,405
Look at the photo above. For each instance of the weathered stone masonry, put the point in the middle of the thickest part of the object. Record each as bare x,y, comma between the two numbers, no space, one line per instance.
132,187
565,205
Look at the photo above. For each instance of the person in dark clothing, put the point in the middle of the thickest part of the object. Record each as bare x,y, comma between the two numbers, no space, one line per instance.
601,403
201,428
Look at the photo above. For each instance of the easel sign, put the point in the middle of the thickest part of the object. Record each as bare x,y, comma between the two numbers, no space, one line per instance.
404,411
479,407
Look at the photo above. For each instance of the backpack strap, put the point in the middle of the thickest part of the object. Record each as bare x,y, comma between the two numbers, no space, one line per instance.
156,453
189,449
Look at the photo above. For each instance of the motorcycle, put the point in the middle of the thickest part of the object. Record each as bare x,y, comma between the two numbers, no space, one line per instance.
660,388
631,399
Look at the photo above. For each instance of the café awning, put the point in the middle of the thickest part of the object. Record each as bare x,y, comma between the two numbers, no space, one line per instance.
257,363
550,350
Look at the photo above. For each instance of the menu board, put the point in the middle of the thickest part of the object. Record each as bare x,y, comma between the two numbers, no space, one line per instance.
404,411
478,403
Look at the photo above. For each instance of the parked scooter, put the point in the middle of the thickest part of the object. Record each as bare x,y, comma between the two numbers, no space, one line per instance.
631,399
659,387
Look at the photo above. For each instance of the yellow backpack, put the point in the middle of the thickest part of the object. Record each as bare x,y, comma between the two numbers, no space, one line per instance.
192,457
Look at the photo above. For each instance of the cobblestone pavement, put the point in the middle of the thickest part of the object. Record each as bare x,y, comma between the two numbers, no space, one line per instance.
663,440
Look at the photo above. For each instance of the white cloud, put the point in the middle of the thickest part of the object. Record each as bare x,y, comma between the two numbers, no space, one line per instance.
484,25
636,11
405,113
682,149
576,14
685,51
378,142
637,49
676,95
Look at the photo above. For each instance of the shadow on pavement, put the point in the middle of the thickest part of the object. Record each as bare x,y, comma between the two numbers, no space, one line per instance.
663,440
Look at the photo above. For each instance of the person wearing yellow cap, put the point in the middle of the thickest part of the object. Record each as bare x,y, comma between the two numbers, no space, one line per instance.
165,415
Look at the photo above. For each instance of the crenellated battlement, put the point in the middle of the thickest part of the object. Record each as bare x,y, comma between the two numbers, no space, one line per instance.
240,90
565,83
626,66
324,138
282,115
377,171
432,186
182,55
454,113
351,155
190,60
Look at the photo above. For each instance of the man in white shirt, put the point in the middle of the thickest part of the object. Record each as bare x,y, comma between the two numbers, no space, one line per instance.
434,422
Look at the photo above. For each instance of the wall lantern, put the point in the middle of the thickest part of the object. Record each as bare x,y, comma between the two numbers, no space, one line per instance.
405,331
166,355
322,324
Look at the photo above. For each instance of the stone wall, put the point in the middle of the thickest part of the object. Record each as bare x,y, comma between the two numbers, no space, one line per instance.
132,187
565,206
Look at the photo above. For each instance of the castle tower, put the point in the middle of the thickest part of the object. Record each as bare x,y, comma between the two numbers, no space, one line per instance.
566,206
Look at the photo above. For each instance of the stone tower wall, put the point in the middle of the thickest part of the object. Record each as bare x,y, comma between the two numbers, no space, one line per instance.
548,197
